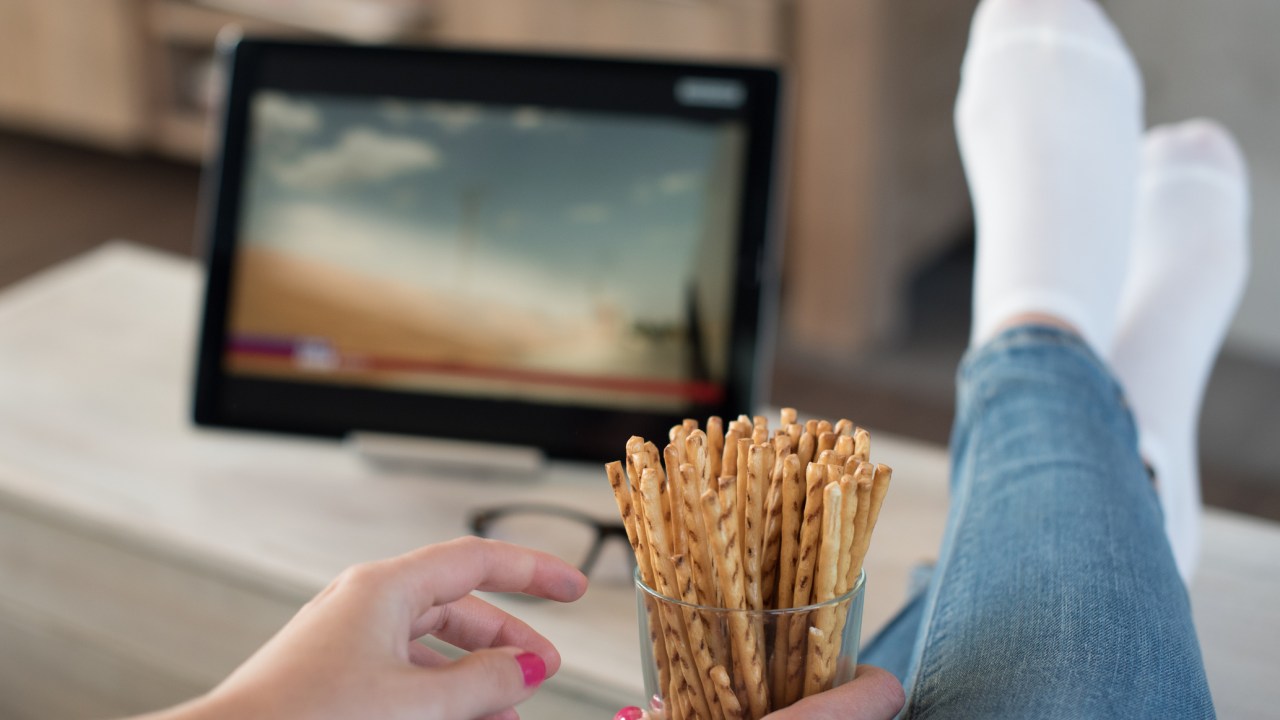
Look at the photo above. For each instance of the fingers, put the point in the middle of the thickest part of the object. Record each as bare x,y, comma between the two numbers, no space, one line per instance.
482,683
425,657
873,694
473,624
439,574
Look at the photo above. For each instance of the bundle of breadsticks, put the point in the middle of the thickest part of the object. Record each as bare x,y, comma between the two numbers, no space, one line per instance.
741,519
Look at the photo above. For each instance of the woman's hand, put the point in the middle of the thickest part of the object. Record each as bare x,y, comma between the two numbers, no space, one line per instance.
873,694
352,652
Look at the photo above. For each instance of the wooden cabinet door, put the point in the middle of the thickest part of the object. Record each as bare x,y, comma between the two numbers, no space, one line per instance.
74,68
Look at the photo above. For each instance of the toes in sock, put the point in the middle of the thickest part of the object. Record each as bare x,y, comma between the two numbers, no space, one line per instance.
1186,275
1049,120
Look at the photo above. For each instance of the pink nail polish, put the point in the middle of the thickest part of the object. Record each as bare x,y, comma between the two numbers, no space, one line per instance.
533,667
629,713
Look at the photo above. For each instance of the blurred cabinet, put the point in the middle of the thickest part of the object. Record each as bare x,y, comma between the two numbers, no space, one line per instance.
871,174
74,68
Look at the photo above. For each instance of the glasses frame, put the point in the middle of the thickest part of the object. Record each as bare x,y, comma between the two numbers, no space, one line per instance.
482,519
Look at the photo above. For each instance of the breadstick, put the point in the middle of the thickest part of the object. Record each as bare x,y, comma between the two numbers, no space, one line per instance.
807,557
720,517
851,465
826,441
862,444
861,523
674,457
772,543
729,704
781,449
854,532
655,461
810,535
844,447
848,535
637,538
700,563
637,462
787,416
824,426
794,431
622,496
635,444
760,435
757,484
676,635
844,427
675,437
718,511
820,652
699,555
697,629
806,447
744,456
715,445
695,453
792,511
815,672
729,458
848,514
879,488
679,705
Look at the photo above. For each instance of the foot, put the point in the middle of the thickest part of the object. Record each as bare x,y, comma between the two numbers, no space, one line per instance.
1186,276
1049,119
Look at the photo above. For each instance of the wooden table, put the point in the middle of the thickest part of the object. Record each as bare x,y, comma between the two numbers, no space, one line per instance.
141,558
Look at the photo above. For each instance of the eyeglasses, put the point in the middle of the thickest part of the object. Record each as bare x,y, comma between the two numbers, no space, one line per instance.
573,536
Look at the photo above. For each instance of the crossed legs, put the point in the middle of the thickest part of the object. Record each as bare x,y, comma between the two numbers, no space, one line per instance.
1107,269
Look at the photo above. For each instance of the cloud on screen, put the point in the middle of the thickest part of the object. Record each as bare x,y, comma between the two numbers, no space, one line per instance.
360,155
589,214
278,112
453,117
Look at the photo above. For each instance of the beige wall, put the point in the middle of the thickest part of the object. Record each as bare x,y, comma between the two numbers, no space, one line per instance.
1220,58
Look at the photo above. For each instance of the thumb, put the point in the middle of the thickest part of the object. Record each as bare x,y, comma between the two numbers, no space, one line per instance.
873,694
484,682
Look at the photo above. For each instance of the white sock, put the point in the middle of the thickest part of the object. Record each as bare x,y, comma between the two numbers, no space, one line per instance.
1186,275
1049,119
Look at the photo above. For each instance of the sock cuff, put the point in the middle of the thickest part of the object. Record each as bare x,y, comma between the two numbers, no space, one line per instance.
1064,306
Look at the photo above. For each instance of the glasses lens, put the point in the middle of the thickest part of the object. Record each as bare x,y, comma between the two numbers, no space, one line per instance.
566,538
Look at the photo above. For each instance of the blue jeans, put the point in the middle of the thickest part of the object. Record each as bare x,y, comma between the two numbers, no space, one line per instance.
1055,594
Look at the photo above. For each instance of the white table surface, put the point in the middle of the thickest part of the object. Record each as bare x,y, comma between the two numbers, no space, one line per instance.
96,358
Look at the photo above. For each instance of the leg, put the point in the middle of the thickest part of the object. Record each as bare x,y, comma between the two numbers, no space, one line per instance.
1055,595
1186,276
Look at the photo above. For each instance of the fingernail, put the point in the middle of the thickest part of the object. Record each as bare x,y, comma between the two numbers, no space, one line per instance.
534,669
629,713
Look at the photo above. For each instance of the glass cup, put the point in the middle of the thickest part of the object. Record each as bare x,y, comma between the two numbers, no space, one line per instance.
721,664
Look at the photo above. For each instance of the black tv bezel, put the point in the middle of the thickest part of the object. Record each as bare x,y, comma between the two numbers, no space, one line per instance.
222,399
